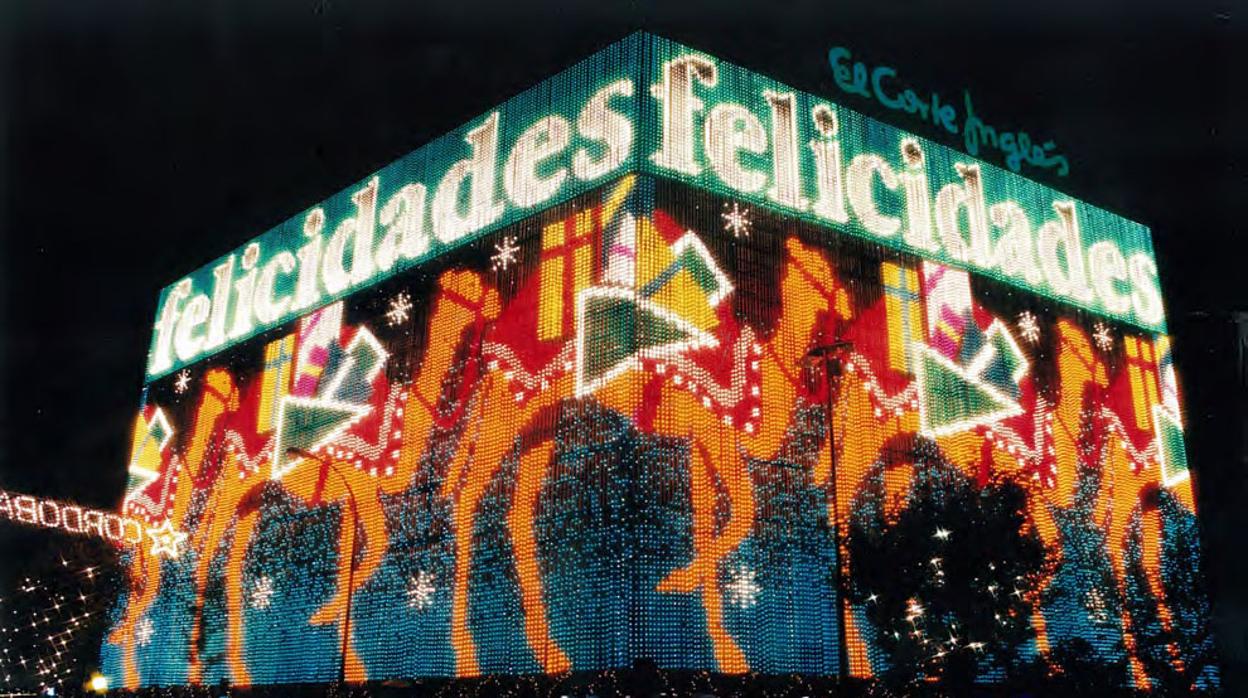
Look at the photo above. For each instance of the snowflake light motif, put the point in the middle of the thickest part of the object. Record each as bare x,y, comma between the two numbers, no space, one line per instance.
183,382
1096,606
1028,327
262,593
143,633
400,309
736,220
504,253
420,591
742,588
1102,337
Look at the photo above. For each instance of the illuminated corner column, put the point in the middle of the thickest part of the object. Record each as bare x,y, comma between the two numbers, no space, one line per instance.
627,224
606,356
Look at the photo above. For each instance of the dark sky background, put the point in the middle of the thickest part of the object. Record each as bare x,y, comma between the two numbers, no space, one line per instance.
139,140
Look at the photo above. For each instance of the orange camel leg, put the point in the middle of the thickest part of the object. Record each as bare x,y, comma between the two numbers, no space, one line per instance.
207,540
856,649
702,495
497,420
531,475
1133,658
207,547
478,474
856,449
467,447
1151,540
1116,540
145,585
447,323
461,636
335,609
714,453
703,571
376,540
735,476
728,654
235,599
1041,627
372,519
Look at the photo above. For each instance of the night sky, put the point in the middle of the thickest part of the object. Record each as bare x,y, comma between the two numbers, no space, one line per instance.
139,140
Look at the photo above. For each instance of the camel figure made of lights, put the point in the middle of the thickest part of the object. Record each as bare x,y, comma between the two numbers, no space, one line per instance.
218,398
810,295
1050,482
1128,508
462,306
496,425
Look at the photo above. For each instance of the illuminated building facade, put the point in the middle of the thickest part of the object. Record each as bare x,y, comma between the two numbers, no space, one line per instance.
663,359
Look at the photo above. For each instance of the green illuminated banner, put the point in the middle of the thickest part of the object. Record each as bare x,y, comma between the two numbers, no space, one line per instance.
649,105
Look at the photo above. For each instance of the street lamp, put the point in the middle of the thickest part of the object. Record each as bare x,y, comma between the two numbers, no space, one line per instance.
830,355
330,466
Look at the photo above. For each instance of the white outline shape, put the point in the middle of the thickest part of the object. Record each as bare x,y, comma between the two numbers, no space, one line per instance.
1159,412
278,470
363,334
698,338
1011,407
149,476
980,362
690,240
166,539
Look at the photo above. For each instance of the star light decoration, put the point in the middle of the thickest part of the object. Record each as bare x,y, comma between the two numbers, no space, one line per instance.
736,220
742,588
420,590
144,631
262,593
1102,336
504,253
183,382
166,540
43,647
400,309
1097,609
1028,327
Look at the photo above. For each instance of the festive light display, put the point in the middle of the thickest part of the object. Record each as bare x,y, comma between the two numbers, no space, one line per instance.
71,518
646,104
748,416
47,622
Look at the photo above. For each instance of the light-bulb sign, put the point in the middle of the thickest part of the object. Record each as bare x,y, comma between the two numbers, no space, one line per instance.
72,518
660,108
